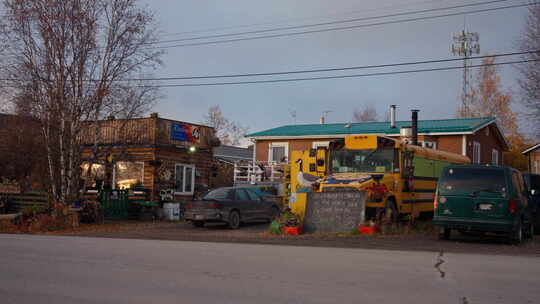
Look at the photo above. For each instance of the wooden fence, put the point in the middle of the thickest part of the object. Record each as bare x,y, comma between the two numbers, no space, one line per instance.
17,202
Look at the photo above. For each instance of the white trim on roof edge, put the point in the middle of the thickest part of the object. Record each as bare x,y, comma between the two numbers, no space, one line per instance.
531,148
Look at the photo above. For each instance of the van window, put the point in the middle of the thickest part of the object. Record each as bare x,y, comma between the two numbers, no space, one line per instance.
473,179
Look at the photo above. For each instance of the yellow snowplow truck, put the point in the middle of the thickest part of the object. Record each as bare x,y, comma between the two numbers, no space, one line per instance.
399,178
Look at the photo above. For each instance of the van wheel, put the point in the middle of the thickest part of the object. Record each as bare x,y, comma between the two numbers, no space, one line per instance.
530,231
444,233
517,235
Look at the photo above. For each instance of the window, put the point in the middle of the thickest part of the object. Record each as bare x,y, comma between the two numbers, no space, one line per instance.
97,174
218,194
428,144
241,195
476,152
127,174
467,180
278,152
354,161
494,157
320,144
252,195
184,179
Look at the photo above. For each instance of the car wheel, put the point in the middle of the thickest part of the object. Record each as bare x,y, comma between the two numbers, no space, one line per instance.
234,220
198,224
444,233
517,235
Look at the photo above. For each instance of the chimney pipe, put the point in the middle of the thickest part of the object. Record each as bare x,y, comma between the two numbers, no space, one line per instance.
322,120
415,127
392,116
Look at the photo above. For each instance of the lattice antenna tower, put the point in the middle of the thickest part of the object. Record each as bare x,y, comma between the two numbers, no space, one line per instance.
292,112
465,45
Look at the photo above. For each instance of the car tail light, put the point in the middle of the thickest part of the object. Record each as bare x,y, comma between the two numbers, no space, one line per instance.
436,201
215,205
189,205
512,206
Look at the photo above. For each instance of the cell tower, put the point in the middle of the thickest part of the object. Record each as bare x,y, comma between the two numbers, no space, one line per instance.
465,45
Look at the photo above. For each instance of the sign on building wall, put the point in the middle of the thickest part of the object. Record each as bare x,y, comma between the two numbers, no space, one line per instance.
183,132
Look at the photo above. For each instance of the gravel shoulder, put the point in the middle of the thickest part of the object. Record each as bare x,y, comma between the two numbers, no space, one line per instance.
257,234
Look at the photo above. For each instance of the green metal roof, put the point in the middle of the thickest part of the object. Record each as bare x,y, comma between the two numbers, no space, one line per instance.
461,125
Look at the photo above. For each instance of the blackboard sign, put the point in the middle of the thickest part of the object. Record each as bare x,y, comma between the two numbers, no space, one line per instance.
334,212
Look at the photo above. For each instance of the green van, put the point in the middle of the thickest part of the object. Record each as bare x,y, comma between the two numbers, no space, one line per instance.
476,198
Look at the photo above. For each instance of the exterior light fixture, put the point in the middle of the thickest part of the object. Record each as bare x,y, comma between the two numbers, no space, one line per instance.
192,149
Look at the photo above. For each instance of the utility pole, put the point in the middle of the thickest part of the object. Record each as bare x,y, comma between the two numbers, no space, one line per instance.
465,45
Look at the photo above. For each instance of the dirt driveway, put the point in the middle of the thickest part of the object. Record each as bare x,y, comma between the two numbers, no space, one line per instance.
257,234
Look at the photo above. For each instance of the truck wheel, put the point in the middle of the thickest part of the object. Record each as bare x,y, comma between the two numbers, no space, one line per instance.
388,215
444,233
517,235
198,224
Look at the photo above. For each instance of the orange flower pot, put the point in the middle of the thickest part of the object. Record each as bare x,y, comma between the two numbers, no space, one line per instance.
297,230
366,230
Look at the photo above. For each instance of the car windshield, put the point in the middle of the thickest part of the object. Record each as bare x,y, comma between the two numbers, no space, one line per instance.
218,194
473,180
352,161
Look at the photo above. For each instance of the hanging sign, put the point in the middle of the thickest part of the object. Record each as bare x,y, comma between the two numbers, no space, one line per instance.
182,132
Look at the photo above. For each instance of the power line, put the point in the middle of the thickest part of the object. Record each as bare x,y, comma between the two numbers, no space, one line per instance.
338,77
337,69
344,28
334,22
331,69
291,20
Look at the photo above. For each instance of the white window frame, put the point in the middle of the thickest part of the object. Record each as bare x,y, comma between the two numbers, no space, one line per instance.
271,146
317,144
114,172
495,157
477,152
184,179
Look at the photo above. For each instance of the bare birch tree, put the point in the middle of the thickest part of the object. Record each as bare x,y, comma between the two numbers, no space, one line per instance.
365,114
229,132
72,62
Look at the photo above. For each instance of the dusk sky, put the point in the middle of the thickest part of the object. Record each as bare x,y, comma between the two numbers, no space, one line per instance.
268,105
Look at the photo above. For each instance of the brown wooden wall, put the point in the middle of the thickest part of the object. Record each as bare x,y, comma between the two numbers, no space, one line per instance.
534,162
141,131
448,143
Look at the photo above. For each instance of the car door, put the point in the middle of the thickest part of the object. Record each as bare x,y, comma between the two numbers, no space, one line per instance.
243,203
261,209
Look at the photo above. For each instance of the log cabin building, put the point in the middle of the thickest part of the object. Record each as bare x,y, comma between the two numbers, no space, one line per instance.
152,153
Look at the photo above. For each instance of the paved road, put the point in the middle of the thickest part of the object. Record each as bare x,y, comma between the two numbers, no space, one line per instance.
45,269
